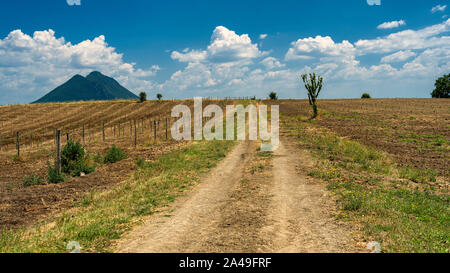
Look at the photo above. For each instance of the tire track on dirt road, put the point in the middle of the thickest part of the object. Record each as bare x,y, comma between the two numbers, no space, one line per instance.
299,213
195,216
248,204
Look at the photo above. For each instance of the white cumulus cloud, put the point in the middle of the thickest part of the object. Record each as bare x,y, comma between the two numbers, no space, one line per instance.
431,36
324,46
231,64
393,24
271,63
189,56
426,53
30,66
226,66
398,56
225,47
438,8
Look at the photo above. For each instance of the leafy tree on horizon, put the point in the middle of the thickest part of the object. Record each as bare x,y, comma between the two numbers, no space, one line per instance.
442,87
366,96
159,96
142,96
273,95
313,85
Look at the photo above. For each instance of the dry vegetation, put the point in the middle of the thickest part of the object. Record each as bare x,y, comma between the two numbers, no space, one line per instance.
416,132
386,162
42,119
21,205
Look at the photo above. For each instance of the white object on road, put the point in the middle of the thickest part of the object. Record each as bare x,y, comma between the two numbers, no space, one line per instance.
74,247
374,246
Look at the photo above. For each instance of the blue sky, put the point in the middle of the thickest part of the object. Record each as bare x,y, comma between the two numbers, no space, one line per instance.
225,48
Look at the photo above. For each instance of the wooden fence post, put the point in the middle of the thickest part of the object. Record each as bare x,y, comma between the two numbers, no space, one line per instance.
18,144
58,152
103,131
167,135
154,128
150,126
31,139
82,134
119,129
135,134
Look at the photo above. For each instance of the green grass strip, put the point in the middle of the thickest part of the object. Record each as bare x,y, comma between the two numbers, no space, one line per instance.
375,192
99,218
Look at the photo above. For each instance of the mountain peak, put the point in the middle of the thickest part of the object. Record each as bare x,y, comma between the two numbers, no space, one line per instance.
95,73
94,86
76,77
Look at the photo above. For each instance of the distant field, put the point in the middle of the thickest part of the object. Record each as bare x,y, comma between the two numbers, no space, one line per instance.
385,161
416,132
21,205
42,119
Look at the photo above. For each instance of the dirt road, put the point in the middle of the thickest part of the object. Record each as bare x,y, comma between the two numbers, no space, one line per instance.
251,202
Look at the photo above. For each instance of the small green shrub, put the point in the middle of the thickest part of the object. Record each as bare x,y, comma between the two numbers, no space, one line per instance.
74,160
32,180
72,151
140,162
366,96
113,155
81,166
98,158
53,176
352,202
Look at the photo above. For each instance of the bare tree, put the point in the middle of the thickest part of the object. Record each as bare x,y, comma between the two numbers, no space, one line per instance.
313,85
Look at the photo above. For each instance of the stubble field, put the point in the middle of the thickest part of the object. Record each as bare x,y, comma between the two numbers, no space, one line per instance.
384,161
416,132
22,205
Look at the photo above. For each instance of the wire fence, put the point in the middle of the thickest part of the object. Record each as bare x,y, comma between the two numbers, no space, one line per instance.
135,130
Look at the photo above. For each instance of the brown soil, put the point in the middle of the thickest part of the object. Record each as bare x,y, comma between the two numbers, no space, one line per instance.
404,128
248,203
21,206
